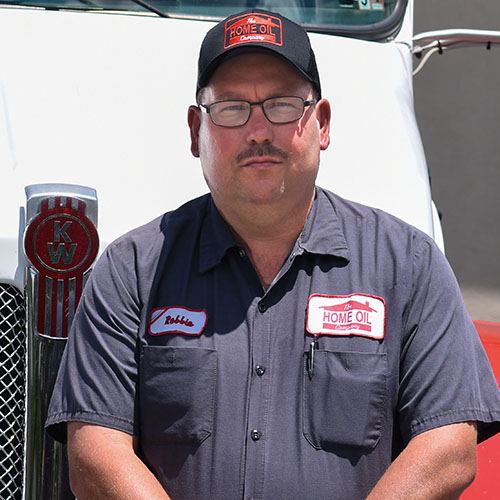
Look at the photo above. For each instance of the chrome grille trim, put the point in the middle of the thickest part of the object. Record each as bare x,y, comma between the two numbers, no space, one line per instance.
12,391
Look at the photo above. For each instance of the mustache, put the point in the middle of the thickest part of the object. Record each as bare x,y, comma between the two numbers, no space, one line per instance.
261,150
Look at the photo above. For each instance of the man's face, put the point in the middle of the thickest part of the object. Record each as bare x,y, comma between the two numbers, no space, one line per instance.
259,162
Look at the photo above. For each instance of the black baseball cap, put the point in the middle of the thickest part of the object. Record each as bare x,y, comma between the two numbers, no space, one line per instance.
257,30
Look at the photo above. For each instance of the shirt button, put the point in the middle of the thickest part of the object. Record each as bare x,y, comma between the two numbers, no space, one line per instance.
255,435
242,252
262,307
260,370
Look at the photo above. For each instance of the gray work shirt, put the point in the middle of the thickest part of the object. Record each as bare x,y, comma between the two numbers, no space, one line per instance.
175,341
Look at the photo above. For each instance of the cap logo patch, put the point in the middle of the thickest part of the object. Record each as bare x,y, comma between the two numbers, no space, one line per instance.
253,28
177,319
341,315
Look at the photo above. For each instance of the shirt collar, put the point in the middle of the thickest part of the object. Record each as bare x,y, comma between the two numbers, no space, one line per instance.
322,233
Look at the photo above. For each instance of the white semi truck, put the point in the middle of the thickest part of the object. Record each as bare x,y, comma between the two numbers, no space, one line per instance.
94,141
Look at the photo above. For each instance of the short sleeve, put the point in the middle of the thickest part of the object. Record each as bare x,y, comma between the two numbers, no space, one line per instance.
97,378
445,376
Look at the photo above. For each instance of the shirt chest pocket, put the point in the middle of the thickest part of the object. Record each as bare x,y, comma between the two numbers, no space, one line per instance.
344,402
177,393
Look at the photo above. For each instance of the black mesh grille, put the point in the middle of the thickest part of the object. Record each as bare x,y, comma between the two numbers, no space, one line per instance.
12,391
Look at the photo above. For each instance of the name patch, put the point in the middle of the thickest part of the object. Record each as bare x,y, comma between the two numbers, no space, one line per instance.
342,315
253,28
177,319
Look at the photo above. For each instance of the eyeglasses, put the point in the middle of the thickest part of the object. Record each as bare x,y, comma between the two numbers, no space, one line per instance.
276,109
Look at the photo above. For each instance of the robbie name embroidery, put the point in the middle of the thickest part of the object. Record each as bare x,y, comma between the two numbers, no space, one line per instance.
177,319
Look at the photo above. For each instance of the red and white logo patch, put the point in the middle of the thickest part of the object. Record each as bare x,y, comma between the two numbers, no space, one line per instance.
177,319
355,314
253,28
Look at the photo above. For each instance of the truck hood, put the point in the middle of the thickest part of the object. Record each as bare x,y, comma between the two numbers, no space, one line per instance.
101,100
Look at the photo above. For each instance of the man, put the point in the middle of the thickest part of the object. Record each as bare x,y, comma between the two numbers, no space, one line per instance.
270,340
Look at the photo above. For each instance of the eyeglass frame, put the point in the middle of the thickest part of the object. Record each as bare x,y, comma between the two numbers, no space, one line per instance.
305,104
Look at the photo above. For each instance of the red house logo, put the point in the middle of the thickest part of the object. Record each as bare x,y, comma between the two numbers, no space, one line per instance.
355,314
348,315
253,28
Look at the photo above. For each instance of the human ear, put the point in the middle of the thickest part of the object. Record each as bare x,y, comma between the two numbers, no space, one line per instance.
323,115
194,122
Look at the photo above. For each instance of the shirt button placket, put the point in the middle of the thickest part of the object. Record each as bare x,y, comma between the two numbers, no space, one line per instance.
258,400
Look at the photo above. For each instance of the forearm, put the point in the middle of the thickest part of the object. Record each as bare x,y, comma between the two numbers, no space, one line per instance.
436,465
104,466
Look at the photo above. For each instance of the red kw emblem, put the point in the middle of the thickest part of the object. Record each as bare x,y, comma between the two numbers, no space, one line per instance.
61,244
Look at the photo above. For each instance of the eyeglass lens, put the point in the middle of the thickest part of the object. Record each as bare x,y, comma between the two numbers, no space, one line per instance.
276,109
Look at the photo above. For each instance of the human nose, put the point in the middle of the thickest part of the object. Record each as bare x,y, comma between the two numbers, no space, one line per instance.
259,128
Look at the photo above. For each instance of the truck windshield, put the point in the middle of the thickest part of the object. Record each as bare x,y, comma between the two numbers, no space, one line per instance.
369,19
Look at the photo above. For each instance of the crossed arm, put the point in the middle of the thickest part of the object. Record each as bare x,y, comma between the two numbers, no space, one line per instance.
436,465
